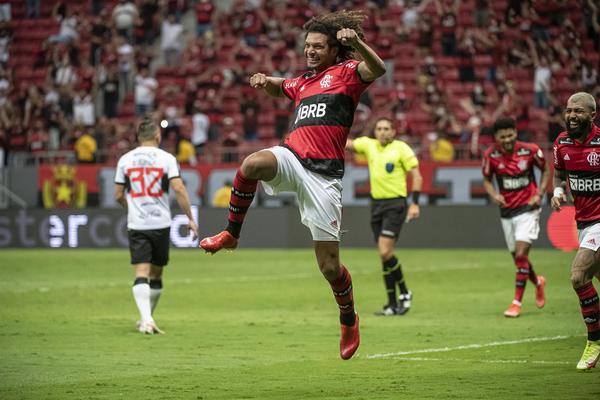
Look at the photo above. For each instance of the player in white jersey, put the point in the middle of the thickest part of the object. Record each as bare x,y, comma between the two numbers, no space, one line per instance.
142,182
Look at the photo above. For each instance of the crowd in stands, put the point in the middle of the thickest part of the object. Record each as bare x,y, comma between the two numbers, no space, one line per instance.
76,76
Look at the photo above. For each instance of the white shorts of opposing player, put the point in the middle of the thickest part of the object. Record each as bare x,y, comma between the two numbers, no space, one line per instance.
319,197
589,238
522,228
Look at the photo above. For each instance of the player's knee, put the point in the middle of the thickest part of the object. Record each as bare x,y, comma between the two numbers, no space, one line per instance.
250,166
330,268
578,277
386,254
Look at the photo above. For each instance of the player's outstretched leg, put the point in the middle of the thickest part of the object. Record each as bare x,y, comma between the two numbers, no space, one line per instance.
242,194
590,310
350,335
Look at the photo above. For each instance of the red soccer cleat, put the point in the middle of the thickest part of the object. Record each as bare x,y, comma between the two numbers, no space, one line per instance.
223,240
513,311
349,340
540,298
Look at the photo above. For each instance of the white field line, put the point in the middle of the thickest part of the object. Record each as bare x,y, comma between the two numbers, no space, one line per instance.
484,361
467,347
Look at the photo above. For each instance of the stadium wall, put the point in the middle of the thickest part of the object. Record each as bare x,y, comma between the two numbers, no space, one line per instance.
438,227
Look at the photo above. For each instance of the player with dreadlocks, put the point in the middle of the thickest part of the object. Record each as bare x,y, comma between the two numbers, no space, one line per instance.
310,162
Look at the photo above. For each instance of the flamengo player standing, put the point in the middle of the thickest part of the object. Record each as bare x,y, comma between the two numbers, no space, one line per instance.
143,178
577,162
311,160
519,198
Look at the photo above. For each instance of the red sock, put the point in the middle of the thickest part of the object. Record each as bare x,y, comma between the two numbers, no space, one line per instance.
590,309
242,194
532,275
342,290
522,263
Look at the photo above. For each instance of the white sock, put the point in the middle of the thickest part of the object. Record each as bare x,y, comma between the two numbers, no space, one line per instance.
141,295
154,296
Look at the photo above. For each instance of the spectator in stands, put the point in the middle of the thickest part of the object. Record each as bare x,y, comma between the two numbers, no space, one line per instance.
5,12
541,77
171,40
5,39
481,13
466,53
200,127
204,12
221,197
250,109
124,15
425,33
85,147
589,75
100,34
145,92
126,62
186,153
32,8
231,141
109,84
84,112
33,105
441,149
69,29
37,137
447,11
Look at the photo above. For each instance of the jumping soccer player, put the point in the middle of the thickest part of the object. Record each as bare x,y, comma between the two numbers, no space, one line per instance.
143,178
311,160
577,156
519,198
389,162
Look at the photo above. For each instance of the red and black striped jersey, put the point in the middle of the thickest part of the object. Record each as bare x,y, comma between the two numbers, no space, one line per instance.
514,174
581,162
324,112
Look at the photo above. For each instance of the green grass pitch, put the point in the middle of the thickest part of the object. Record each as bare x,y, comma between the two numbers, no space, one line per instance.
262,324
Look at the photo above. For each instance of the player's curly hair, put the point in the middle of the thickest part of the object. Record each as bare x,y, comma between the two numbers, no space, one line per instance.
329,24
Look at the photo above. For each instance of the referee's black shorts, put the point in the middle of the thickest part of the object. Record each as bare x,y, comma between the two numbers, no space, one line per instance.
149,246
387,217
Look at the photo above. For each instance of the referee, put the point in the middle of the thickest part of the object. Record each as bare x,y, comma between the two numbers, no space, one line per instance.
390,161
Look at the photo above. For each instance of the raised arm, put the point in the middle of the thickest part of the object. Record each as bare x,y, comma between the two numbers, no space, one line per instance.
270,84
371,67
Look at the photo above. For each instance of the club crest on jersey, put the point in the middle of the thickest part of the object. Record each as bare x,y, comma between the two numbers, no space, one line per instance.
326,81
522,164
593,159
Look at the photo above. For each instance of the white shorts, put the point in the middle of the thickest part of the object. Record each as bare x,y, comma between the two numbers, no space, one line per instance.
319,197
589,238
522,228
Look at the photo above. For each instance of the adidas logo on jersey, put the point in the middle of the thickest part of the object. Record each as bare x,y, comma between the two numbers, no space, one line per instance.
592,241
566,157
